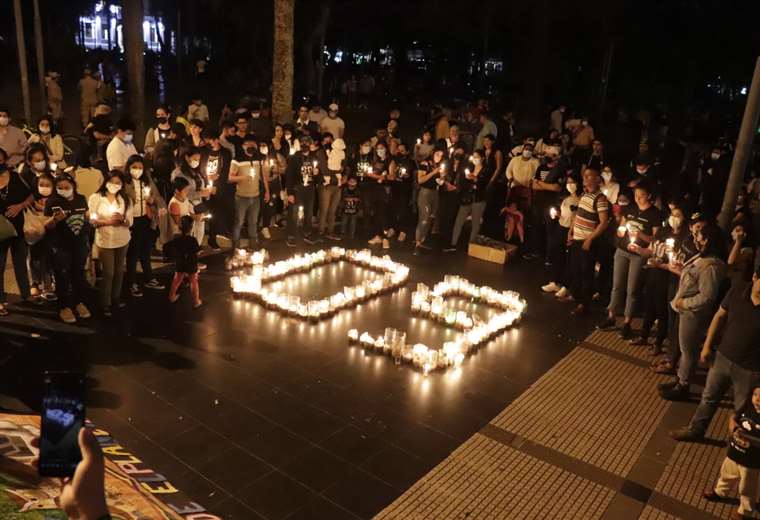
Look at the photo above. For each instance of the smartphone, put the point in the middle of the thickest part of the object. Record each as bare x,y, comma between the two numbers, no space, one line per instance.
63,415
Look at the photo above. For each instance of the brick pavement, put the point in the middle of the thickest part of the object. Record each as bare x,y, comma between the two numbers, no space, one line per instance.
589,440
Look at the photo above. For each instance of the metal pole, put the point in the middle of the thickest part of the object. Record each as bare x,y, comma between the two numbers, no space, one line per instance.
40,56
21,46
743,150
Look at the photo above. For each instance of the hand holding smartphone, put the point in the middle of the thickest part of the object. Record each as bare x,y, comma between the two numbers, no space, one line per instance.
63,415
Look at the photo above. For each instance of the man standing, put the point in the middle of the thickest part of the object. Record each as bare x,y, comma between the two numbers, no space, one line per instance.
332,124
556,118
241,131
589,223
88,95
215,164
317,113
596,161
737,357
121,147
12,139
487,127
301,178
246,173
54,96
304,125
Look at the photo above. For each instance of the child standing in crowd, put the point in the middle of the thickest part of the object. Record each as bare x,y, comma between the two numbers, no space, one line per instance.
183,250
351,205
39,243
741,466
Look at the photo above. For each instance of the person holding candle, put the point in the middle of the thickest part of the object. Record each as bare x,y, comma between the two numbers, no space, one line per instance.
300,183
545,187
146,204
424,147
215,166
428,174
39,245
401,176
199,192
699,290
472,197
638,225
379,195
557,246
329,190
610,187
247,174
68,229
111,214
449,198
496,190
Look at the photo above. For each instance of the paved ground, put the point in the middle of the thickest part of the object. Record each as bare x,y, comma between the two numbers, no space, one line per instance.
588,440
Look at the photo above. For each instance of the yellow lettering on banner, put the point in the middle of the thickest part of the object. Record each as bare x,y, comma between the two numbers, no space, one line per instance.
163,488
130,469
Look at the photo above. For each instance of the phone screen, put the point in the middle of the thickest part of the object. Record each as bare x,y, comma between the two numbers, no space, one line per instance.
63,416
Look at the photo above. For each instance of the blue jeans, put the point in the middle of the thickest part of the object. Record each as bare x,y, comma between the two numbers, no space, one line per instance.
625,282
246,208
722,373
692,329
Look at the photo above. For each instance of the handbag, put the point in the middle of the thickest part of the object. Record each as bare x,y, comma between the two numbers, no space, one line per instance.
7,230
34,227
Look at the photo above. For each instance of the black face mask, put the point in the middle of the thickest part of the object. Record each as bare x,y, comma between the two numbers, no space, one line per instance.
162,120
251,150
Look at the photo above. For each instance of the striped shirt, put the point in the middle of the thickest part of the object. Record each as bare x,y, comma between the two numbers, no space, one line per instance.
587,215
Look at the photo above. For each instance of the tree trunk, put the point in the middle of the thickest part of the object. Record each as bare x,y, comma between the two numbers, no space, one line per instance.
23,68
134,47
40,56
282,62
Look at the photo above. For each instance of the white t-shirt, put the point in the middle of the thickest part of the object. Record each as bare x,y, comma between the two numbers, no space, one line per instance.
110,237
118,152
185,209
334,126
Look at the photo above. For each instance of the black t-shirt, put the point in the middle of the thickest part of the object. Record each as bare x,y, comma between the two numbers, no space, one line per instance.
428,167
16,192
184,251
549,175
745,451
363,164
642,221
351,202
72,229
741,336
473,190
405,170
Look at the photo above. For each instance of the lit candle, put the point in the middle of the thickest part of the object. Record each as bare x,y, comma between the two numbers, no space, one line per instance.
553,212
419,141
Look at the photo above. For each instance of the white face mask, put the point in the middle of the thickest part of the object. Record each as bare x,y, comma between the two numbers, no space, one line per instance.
476,161
674,221
527,154
127,138
381,152
136,173
44,129
571,188
194,164
5,121
607,176
264,150
66,194
113,188
715,156
39,165
641,170
45,191
365,150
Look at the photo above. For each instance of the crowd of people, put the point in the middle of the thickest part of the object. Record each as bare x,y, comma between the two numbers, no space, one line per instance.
631,229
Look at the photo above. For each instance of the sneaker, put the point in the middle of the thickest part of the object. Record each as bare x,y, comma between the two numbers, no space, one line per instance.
450,249
154,284
310,240
197,304
334,238
82,311
608,324
135,291
626,332
402,237
391,233
202,267
667,384
386,244
562,292
67,316
266,234
107,312
709,494
639,341
686,434
376,240
551,287
223,241
290,242
678,392
121,305
50,296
